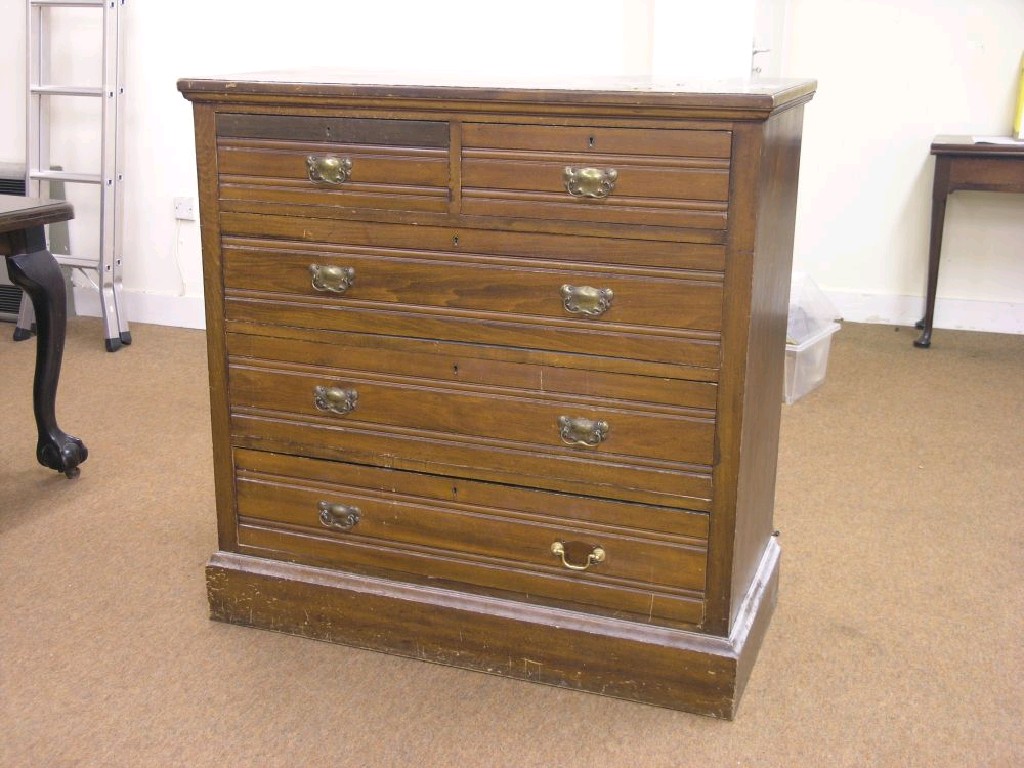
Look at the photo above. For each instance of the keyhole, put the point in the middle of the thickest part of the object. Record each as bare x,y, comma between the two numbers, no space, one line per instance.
455,241
590,141
455,369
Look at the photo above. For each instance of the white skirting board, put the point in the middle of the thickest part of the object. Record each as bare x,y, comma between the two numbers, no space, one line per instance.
961,314
149,308
956,314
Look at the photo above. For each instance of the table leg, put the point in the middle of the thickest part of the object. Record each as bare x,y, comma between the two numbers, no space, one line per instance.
940,191
34,270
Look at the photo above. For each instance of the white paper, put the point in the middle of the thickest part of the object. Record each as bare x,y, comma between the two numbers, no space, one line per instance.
997,140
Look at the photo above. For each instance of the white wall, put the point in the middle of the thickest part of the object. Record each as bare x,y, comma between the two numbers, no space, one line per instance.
701,39
891,75
192,38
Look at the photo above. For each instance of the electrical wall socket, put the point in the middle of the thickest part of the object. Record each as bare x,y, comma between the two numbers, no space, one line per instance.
185,208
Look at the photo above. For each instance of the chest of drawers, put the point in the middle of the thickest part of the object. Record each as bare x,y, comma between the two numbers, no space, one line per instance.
496,372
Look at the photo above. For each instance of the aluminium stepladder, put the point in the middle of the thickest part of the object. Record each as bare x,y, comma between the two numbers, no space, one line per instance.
110,179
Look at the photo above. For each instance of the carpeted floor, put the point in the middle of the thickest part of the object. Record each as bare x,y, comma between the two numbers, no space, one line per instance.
897,640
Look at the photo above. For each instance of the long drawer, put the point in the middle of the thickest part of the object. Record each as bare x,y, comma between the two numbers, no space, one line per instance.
647,481
697,349
443,363
382,519
616,249
560,425
589,293
587,511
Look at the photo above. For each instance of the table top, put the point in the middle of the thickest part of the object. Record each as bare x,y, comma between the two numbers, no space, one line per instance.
26,212
966,145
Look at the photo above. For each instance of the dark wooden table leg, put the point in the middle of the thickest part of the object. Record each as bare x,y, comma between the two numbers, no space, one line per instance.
34,270
940,191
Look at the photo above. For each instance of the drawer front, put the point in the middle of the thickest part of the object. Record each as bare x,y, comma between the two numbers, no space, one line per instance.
580,471
428,134
457,281
331,163
586,511
391,520
520,246
643,177
448,538
560,425
446,363
695,349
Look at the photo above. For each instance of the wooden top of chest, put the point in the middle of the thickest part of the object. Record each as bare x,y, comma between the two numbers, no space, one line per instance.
734,99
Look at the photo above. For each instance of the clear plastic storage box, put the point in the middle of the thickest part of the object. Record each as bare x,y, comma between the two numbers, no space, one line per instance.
812,321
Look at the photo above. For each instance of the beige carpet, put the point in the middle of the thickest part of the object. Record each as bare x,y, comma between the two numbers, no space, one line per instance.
897,640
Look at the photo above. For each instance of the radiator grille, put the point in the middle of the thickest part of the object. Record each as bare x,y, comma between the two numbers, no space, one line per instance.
15,187
12,182
10,301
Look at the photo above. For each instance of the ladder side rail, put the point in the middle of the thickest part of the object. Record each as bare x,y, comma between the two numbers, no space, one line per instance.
37,139
108,149
119,177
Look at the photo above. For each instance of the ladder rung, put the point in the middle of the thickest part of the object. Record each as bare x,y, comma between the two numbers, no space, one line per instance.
87,178
70,3
66,90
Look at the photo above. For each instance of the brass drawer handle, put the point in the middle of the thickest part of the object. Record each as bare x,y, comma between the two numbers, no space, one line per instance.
593,557
328,169
595,183
582,431
584,300
338,516
332,279
335,399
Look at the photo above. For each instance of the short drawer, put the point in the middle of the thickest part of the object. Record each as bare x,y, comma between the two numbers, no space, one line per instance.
448,538
566,425
265,161
465,282
643,177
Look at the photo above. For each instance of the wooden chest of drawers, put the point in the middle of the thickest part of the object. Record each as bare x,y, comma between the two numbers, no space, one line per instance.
496,372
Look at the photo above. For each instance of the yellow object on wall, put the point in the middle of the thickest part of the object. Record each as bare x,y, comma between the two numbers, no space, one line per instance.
1018,119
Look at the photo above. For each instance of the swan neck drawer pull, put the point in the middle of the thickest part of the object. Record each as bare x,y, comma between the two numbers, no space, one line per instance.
577,551
338,516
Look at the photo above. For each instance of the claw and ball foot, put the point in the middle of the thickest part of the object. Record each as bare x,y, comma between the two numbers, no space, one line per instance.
32,268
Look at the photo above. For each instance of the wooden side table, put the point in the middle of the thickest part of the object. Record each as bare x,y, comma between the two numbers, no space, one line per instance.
32,267
960,163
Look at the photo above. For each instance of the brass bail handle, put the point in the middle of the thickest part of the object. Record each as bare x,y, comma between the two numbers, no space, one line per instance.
328,169
579,431
595,183
331,279
595,556
586,301
338,516
335,399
